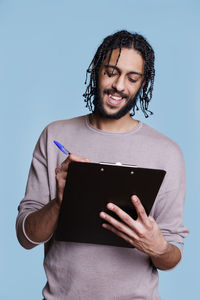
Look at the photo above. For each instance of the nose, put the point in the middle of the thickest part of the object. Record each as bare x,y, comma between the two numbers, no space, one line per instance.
119,83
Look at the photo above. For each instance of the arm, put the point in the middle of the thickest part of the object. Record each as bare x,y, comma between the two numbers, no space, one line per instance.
41,224
144,234
169,259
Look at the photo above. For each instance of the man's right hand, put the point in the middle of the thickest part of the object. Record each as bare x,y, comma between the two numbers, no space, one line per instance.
41,224
61,174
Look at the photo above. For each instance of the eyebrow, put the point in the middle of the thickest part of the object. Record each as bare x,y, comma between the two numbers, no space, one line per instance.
116,68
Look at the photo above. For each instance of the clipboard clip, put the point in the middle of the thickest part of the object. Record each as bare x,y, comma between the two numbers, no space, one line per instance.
117,164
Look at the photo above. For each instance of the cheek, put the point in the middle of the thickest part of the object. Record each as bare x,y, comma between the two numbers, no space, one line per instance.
104,84
134,90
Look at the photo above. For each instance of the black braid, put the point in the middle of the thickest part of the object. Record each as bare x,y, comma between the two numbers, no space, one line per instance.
122,39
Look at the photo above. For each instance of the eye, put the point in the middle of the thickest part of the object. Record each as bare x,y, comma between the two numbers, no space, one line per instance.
132,80
110,72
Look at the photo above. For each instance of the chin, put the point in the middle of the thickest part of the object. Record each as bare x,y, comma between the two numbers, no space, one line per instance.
121,112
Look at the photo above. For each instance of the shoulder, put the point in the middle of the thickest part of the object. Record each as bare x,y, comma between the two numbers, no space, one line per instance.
168,156
64,127
57,130
162,150
68,123
161,142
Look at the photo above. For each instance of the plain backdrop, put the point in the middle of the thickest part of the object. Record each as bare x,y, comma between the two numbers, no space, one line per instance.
45,48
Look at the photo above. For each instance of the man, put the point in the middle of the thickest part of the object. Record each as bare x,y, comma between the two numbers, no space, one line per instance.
121,73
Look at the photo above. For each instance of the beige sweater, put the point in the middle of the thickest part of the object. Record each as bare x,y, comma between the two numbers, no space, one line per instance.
87,271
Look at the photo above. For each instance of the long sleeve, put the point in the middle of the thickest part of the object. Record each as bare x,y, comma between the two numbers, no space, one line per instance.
37,190
169,206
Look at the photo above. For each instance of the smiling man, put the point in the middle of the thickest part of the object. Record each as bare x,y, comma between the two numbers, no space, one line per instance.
121,76
119,85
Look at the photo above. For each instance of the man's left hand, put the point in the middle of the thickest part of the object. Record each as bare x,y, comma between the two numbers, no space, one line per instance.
143,233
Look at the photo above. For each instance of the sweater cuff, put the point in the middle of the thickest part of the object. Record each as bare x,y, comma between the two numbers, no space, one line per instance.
26,236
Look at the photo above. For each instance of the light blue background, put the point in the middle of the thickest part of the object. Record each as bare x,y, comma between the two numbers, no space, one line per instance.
45,48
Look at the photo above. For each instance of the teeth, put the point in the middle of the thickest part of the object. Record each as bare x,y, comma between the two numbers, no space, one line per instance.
115,97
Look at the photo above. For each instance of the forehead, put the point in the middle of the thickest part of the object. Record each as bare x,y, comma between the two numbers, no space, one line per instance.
130,60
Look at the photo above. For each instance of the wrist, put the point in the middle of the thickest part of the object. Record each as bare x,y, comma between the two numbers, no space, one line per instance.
168,258
163,250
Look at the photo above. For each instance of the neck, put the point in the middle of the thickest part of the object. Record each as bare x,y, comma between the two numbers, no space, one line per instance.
124,124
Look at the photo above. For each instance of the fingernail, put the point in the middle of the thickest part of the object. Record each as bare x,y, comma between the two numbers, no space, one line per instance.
102,214
134,198
110,206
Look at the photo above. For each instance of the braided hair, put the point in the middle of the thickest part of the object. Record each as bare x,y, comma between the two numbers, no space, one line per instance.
122,39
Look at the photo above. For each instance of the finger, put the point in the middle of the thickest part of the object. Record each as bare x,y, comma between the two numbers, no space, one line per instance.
72,157
76,157
118,225
134,225
118,233
122,215
141,211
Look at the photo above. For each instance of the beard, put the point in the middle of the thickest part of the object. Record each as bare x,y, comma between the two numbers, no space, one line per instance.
98,104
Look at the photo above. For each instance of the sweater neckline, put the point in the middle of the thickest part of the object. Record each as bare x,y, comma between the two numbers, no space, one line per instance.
132,131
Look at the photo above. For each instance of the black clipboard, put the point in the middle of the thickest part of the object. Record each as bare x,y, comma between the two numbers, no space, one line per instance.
90,186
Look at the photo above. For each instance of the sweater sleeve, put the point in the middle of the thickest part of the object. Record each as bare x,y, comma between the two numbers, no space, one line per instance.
169,206
37,190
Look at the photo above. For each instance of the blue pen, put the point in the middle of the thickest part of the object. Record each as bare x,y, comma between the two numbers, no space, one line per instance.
62,148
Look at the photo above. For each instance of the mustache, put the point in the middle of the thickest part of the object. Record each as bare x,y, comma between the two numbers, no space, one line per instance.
112,91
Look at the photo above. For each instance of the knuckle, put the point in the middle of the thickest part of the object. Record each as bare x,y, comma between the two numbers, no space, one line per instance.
57,170
151,219
141,234
149,226
137,238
